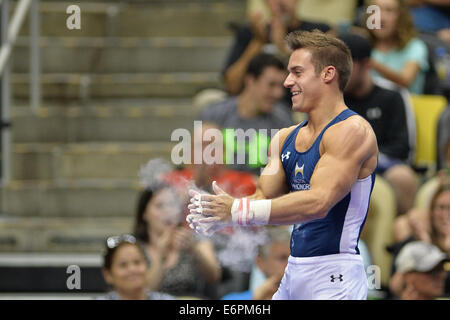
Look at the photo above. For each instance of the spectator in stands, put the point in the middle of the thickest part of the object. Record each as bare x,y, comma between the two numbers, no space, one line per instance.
334,13
254,39
125,268
202,174
180,263
385,110
431,225
432,16
398,55
440,219
235,256
420,272
271,261
256,109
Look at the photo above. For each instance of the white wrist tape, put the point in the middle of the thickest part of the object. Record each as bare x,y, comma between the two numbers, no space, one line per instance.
246,212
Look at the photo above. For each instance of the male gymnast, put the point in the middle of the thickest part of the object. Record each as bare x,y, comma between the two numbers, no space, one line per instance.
319,178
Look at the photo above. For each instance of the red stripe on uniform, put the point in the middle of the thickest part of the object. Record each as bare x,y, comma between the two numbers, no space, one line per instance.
241,203
247,203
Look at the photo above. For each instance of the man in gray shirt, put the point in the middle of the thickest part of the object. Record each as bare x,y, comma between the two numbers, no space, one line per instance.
249,120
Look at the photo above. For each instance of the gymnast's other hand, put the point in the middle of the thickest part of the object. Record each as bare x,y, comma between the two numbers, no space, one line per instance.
214,208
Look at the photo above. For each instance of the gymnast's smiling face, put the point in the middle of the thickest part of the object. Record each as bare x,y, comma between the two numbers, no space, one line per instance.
303,81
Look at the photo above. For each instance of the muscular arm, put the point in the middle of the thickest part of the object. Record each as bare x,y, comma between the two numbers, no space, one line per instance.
273,180
346,148
348,152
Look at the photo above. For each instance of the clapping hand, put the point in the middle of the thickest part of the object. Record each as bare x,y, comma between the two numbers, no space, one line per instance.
209,213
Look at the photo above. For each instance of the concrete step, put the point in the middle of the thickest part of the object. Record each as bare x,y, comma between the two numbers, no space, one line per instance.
60,234
105,123
164,18
81,198
74,162
68,86
116,102
8,295
125,55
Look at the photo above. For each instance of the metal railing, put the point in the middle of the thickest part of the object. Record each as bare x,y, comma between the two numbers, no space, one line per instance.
9,32
13,29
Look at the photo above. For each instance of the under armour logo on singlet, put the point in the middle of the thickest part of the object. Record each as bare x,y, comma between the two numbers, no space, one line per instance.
333,277
285,156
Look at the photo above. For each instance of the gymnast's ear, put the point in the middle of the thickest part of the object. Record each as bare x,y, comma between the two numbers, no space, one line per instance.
329,73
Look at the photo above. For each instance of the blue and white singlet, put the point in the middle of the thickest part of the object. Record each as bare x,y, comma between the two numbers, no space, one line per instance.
340,230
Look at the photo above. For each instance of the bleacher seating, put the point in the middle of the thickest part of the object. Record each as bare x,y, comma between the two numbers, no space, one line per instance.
113,92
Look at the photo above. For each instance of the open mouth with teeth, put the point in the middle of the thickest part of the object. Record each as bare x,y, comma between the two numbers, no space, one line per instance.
296,93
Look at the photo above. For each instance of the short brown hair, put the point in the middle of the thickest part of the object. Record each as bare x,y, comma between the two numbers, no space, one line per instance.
326,50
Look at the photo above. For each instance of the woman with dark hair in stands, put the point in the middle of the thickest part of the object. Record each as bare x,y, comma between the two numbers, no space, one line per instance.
125,269
398,55
181,264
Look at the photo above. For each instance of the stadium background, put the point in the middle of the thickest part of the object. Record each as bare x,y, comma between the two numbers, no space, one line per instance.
111,94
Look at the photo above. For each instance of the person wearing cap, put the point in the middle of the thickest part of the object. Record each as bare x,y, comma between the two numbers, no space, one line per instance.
385,110
420,272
